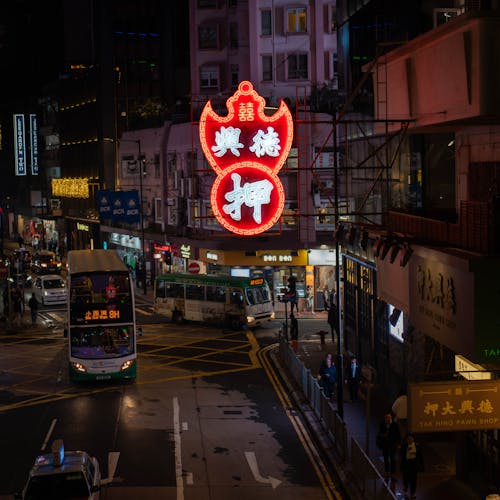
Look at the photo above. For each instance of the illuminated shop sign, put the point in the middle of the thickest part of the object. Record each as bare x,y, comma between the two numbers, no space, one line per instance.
469,370
185,251
161,248
212,256
19,145
454,406
246,149
277,258
34,144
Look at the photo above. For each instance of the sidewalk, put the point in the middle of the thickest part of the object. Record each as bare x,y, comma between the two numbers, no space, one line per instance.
438,482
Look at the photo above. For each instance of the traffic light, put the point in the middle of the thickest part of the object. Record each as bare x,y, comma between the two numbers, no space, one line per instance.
168,258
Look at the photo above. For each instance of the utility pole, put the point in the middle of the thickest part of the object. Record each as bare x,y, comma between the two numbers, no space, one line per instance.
143,242
338,319
141,211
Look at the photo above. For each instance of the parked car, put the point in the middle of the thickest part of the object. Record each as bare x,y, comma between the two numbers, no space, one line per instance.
50,289
63,475
45,262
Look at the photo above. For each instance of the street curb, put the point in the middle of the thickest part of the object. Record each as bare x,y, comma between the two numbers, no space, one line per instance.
316,428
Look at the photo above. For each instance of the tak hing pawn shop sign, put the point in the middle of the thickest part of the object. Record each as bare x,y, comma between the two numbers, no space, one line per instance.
463,405
246,149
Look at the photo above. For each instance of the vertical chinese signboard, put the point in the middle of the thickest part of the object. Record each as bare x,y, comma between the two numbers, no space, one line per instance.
246,149
454,406
34,145
19,145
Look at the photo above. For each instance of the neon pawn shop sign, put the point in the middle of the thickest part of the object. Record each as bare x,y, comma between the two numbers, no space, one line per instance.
246,149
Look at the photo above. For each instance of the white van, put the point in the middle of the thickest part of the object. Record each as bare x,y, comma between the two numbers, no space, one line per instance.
50,289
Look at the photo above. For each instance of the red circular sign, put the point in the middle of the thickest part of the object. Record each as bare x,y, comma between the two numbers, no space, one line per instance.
194,267
247,198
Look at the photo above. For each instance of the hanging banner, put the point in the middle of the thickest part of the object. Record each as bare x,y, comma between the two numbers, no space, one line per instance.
104,203
34,144
246,149
19,145
132,213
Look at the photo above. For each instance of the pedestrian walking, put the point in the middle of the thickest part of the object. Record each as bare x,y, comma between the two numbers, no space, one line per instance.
294,327
326,298
328,377
309,299
388,441
33,305
353,378
17,305
412,463
400,411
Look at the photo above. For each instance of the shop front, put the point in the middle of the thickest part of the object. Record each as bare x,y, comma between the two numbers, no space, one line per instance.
275,266
82,234
449,330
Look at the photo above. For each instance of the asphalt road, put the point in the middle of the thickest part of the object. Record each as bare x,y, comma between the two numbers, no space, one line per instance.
207,418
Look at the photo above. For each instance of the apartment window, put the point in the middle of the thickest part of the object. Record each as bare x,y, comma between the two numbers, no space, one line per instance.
297,67
266,23
296,20
191,159
233,35
158,210
171,162
208,37
267,68
333,18
209,77
207,4
235,76
157,166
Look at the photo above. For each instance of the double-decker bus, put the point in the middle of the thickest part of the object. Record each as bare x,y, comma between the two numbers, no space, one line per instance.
229,300
101,317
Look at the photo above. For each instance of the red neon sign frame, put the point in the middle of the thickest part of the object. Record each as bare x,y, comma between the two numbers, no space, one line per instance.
246,149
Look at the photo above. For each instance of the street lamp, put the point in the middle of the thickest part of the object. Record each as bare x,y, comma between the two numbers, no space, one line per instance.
141,212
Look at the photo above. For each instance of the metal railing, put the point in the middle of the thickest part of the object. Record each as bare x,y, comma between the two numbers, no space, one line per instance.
362,472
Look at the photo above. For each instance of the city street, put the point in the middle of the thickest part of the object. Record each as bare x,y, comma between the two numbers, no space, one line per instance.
201,420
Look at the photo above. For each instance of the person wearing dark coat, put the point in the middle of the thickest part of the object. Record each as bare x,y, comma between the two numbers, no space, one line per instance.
33,305
411,463
389,440
328,377
353,377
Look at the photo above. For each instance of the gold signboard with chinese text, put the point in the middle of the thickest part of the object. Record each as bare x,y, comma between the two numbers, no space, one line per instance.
454,406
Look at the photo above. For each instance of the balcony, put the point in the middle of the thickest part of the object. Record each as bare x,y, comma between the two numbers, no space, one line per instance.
476,230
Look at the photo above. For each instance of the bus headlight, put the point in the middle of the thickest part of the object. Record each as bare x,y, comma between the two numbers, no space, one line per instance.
250,320
273,315
127,364
79,367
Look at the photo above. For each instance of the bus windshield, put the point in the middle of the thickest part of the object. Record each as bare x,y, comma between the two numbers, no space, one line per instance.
100,288
99,342
259,295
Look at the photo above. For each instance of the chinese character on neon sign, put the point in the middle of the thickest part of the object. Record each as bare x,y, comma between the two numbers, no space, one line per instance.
246,149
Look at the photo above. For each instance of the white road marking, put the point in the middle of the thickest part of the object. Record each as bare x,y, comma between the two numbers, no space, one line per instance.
189,478
113,457
252,462
178,457
49,432
184,426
